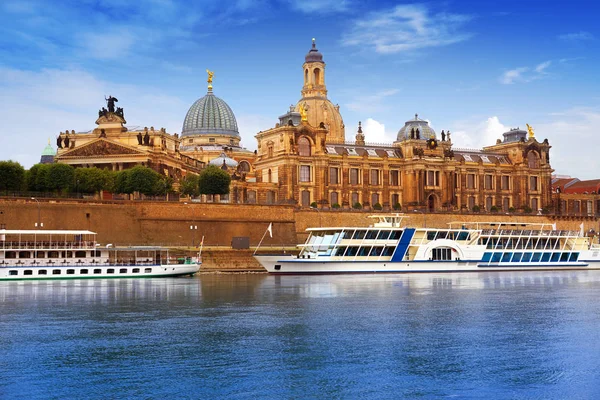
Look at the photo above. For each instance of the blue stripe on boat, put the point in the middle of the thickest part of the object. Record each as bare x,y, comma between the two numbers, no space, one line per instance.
403,243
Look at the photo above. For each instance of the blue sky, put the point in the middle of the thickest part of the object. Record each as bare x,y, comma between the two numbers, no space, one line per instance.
472,67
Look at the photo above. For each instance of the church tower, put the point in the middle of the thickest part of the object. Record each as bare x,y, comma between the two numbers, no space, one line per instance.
320,112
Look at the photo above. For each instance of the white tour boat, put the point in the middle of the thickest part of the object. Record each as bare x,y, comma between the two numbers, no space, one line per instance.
387,246
66,254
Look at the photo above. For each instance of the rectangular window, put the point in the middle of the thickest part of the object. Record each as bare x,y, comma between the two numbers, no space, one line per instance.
83,272
374,199
505,204
56,272
70,272
394,178
505,182
123,271
334,198
395,200
354,198
12,272
135,270
488,182
110,271
430,178
305,173
42,272
533,183
97,271
28,272
374,177
334,176
148,270
354,176
470,181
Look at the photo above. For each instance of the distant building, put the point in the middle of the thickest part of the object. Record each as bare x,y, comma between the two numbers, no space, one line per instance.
48,154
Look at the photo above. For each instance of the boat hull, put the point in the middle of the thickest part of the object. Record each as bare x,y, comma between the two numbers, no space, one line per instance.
92,271
292,265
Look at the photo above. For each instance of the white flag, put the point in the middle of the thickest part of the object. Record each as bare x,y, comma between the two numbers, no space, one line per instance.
554,226
581,229
270,229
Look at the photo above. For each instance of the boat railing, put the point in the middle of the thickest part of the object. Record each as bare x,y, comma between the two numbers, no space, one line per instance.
527,232
4,245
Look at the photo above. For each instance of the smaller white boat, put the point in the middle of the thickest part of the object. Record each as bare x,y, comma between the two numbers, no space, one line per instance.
74,254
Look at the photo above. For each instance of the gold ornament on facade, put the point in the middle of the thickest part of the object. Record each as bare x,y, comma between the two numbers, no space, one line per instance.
210,78
303,113
531,131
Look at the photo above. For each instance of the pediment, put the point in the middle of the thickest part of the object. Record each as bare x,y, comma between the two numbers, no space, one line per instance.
109,118
99,148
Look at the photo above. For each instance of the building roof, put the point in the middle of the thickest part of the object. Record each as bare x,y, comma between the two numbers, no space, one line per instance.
210,115
410,126
314,55
590,186
223,159
484,157
562,183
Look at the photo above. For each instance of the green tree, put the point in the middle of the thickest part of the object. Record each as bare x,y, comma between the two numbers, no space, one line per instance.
60,177
144,180
92,180
213,180
12,175
189,185
121,182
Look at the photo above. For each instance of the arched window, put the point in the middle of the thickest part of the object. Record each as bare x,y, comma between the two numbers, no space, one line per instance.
304,147
270,151
244,166
306,76
270,175
317,76
533,160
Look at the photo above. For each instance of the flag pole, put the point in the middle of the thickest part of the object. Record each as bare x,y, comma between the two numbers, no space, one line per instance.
262,238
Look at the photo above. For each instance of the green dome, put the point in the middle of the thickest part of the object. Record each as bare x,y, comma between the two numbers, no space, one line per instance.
210,115
48,151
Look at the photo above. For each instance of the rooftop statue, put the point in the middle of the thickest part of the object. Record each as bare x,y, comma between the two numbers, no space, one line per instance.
210,78
530,130
303,114
110,103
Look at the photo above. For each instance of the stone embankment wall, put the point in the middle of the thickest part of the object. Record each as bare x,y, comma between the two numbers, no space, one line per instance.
168,224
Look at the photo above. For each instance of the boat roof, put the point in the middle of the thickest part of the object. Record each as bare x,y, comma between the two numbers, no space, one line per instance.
499,224
43,232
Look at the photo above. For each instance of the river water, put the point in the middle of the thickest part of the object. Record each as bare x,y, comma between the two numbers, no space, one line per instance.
468,335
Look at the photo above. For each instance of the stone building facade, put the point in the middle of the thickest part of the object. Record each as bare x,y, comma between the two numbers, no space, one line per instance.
305,159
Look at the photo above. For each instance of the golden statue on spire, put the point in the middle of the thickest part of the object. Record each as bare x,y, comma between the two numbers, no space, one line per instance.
210,78
302,111
531,131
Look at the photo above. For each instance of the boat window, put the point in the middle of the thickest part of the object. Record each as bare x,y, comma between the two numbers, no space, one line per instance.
10,254
56,272
28,272
526,257
371,234
376,251
486,257
42,272
441,235
536,257
83,271
545,257
97,271
395,235
12,272
506,256
496,257
564,257
517,257
574,257
452,235
340,251
24,254
388,251
431,235
53,254
147,270
123,271
441,253
135,270
70,272
110,271
352,251
463,236
359,234
80,254
364,251
40,254
555,257
383,235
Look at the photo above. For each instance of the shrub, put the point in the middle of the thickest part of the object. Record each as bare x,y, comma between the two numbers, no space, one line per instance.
313,204
397,206
357,206
476,208
377,207
545,210
527,209
494,209
511,209
335,205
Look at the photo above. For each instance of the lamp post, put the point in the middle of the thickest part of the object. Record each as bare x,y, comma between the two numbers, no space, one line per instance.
193,228
319,211
39,223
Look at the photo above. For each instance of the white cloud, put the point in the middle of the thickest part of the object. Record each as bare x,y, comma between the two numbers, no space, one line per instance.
405,28
327,6
250,124
476,135
576,36
371,103
375,132
525,74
